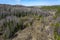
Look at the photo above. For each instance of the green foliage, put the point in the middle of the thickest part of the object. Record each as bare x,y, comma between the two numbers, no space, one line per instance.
54,17
57,25
52,8
56,36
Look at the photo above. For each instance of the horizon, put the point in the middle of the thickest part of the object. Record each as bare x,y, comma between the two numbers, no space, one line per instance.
31,2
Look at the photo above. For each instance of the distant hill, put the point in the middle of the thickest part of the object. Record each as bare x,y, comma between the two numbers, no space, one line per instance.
56,7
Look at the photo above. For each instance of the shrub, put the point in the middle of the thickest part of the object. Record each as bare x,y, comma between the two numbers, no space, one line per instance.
56,35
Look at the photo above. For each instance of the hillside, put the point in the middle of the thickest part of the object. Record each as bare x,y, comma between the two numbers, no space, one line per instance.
54,7
18,22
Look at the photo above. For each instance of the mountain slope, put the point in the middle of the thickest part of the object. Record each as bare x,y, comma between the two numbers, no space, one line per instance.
19,22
